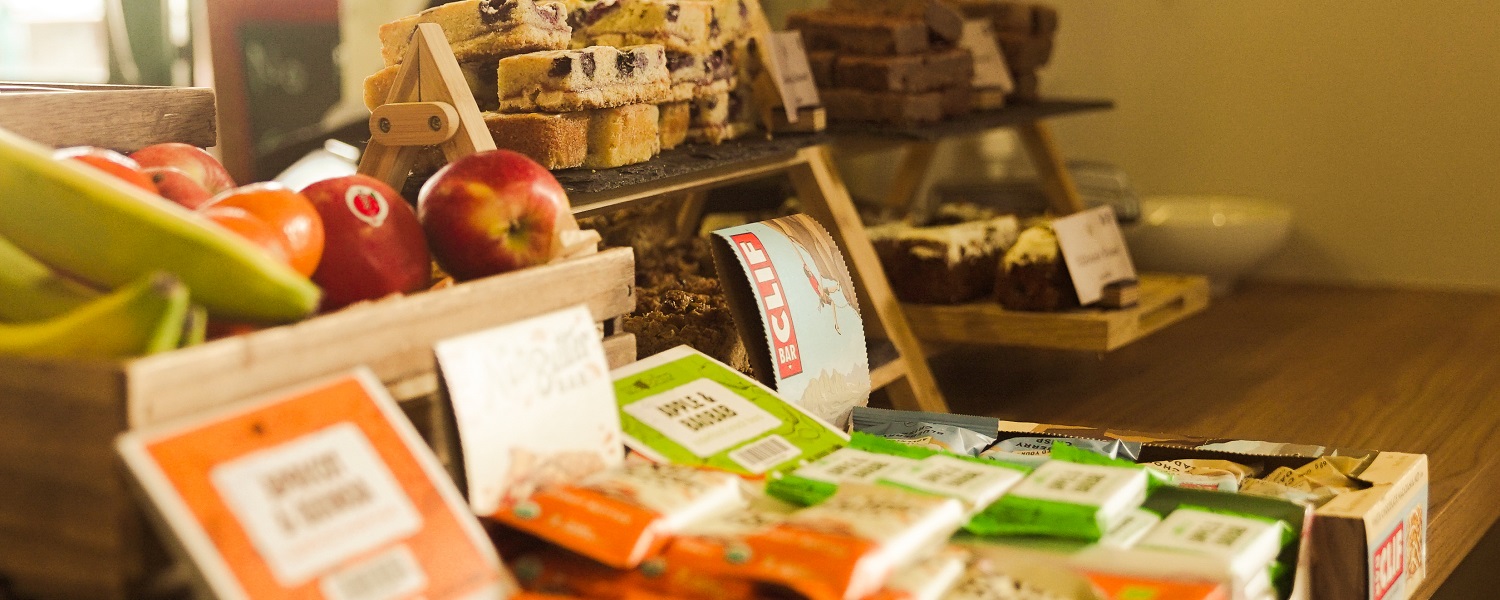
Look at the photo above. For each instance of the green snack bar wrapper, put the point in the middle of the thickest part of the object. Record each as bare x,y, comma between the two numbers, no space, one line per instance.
873,459
1078,495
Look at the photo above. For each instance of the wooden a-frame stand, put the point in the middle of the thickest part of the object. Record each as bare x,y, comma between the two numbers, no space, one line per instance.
431,105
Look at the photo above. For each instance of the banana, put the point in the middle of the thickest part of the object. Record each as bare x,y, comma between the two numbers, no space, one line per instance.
194,327
109,234
31,291
143,317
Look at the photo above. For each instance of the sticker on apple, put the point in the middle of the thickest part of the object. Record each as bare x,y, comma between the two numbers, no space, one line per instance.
367,204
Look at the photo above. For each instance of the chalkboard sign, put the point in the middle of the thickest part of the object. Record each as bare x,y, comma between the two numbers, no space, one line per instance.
291,81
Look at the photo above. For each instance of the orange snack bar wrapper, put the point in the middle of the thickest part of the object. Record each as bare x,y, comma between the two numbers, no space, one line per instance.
622,516
845,548
1123,587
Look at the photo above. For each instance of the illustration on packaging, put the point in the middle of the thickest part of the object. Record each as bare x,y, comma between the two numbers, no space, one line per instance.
794,304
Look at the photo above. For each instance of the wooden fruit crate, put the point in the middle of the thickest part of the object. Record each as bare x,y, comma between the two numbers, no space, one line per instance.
1165,299
70,529
121,117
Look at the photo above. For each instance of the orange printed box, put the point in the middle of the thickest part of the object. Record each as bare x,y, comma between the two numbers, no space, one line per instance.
326,492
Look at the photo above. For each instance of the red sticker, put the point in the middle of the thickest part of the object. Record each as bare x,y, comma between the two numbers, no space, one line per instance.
367,204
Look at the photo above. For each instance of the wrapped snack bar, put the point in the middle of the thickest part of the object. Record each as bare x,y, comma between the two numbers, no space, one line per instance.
1206,474
622,516
1033,451
1073,496
1247,545
939,436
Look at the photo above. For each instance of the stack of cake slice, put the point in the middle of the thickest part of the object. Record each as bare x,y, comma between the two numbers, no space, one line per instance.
1025,33
700,38
884,61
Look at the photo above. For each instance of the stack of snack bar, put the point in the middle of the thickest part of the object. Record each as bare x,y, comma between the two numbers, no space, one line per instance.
886,61
702,39
1025,33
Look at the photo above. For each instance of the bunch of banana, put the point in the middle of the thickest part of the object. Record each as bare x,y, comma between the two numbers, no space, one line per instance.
109,235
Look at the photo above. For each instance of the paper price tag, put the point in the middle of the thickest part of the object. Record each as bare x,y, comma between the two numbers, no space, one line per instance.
1094,250
325,492
989,64
534,403
796,80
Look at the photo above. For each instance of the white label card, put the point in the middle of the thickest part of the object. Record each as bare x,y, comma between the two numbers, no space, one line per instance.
796,84
989,64
703,416
1094,250
847,465
534,403
315,502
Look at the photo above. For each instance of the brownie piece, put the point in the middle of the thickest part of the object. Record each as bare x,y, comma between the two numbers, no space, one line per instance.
821,64
593,77
557,141
1033,275
622,135
672,124
859,33
886,107
483,29
944,264
957,101
908,73
678,25
480,76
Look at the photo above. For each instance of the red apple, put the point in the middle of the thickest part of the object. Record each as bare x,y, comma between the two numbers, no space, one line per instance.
372,246
175,185
492,212
196,162
110,162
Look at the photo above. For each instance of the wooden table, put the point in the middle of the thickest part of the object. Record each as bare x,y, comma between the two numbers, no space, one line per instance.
1410,371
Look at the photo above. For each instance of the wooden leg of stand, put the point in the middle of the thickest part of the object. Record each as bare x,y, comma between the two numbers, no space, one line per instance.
915,161
690,213
826,199
1056,181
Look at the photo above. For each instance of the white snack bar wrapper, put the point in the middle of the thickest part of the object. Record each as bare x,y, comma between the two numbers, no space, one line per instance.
976,484
1129,531
847,465
1114,491
931,578
1248,546
682,495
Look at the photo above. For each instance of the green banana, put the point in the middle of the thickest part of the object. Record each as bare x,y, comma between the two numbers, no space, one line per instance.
31,291
108,233
194,327
141,318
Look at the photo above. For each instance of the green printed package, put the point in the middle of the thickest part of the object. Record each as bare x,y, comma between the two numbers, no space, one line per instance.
1077,495
683,407
873,459
937,436
1247,544
1033,451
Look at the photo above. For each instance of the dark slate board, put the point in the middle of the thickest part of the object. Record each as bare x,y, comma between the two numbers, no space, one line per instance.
683,160
1009,116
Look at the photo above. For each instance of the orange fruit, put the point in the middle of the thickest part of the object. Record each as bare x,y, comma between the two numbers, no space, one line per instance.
287,211
109,161
248,226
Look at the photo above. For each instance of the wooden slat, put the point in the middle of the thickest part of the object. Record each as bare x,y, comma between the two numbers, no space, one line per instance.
393,338
619,349
916,159
884,375
124,119
1165,299
1037,138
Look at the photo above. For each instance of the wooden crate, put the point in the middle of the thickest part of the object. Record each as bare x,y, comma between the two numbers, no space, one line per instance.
1165,299
68,526
121,117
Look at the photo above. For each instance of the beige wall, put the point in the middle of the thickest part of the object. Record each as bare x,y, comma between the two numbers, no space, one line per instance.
1377,123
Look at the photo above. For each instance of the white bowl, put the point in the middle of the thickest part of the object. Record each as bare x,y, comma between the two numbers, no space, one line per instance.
1222,237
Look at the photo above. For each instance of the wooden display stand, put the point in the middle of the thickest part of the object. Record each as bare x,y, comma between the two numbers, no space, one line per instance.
1164,299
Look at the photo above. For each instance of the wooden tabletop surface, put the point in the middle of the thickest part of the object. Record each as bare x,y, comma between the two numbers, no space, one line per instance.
1410,371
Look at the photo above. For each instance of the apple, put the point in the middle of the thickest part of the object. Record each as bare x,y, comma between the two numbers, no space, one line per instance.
373,245
110,162
196,162
492,212
175,185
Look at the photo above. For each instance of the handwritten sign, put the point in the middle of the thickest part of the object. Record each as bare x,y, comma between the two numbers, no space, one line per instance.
534,404
1094,250
796,83
989,64
325,492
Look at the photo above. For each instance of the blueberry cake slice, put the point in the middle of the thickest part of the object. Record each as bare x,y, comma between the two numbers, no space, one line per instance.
678,25
701,75
589,78
556,141
622,135
484,29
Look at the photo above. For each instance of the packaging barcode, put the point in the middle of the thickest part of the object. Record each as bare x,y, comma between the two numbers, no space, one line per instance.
759,456
394,574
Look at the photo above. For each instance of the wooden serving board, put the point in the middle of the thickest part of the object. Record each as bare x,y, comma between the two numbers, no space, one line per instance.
59,419
119,117
1165,299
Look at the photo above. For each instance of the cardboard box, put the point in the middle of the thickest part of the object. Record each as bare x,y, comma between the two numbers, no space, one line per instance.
1370,543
